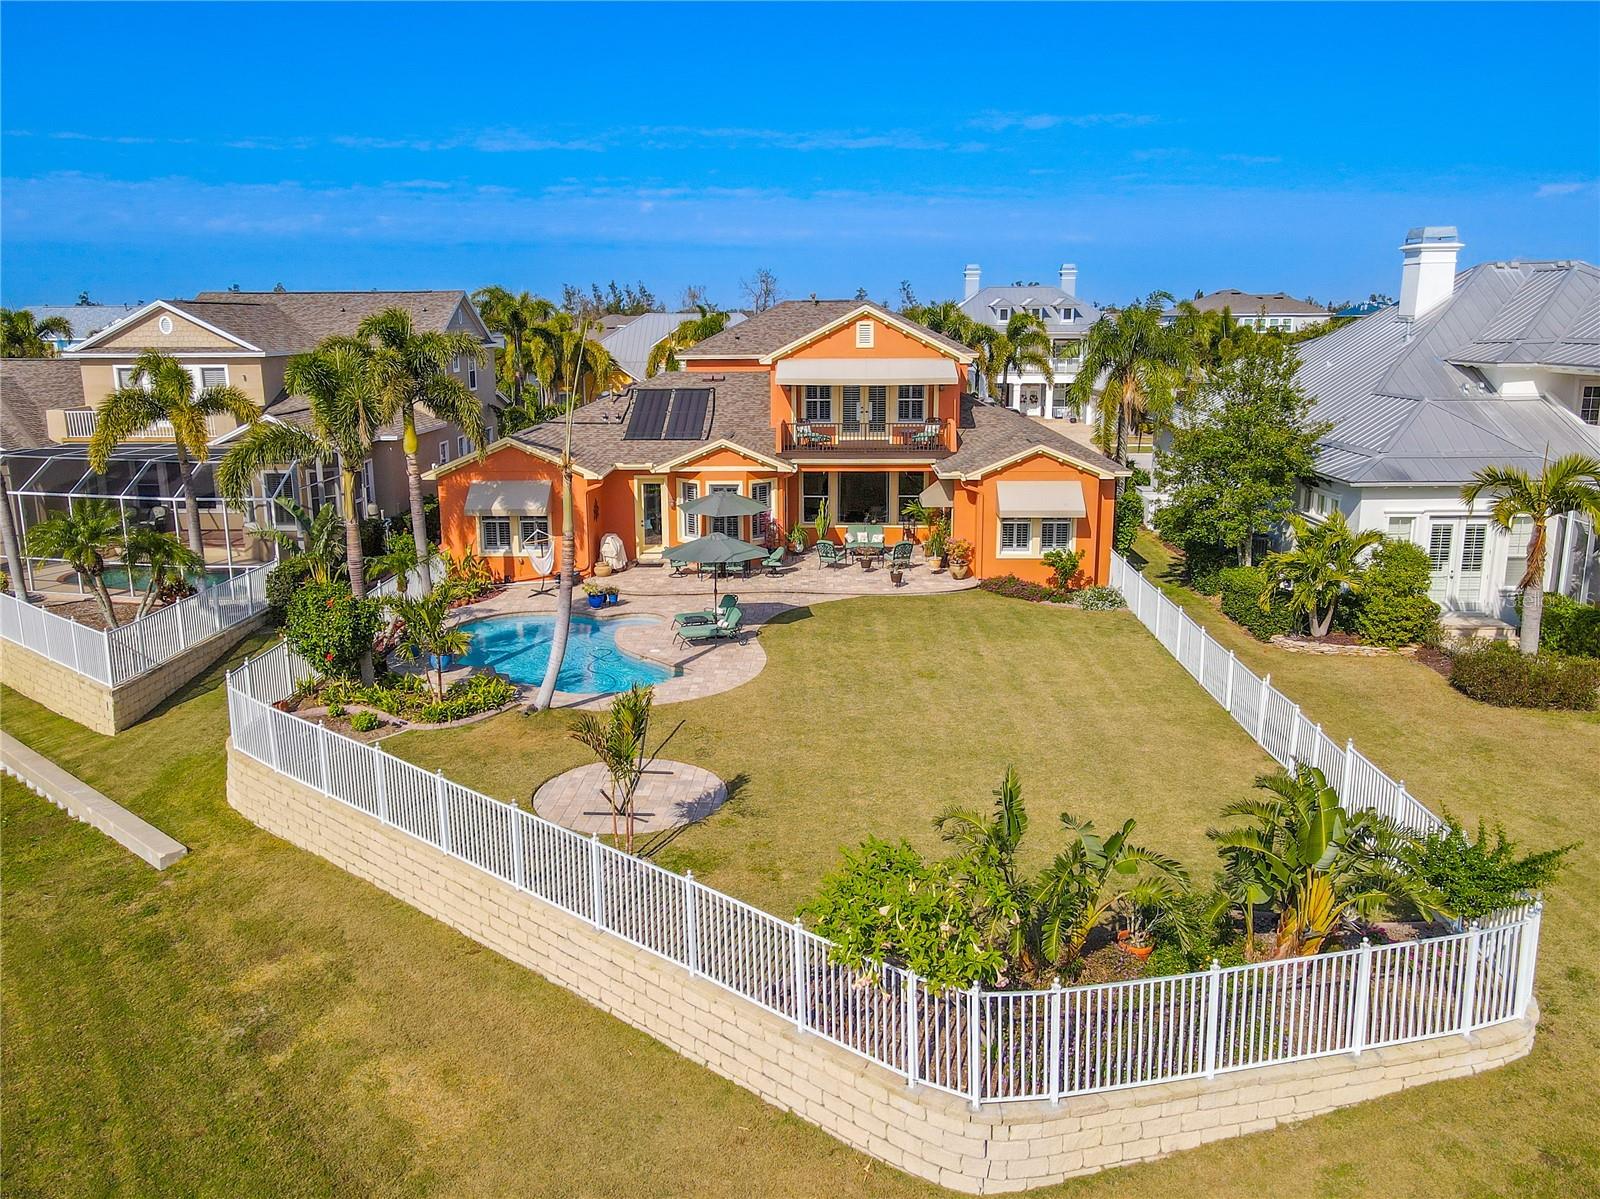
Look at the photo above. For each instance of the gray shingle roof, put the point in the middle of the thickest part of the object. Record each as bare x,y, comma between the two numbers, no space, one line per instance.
310,316
740,413
29,387
1408,406
1248,303
792,320
991,433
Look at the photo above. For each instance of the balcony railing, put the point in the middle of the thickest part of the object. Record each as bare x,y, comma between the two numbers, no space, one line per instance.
80,424
923,438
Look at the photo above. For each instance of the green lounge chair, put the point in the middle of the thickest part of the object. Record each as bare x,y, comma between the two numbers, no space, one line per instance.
829,554
774,560
728,628
708,615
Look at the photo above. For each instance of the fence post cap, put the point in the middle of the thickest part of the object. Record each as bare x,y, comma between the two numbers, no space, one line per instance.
1055,983
1216,965
797,923
689,874
1366,942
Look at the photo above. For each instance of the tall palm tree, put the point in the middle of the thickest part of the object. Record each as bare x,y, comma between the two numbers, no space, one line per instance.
414,368
1569,484
1023,343
1142,361
21,336
347,406
164,389
82,536
664,354
15,567
575,360
513,316
1324,563
567,379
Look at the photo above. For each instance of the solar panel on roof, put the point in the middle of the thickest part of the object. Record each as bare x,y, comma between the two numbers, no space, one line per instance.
649,415
688,417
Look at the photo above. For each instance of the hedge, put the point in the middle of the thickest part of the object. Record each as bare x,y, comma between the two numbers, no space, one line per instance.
1497,673
1392,607
1568,627
1242,587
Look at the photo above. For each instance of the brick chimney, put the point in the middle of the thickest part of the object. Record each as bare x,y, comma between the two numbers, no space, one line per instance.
1069,278
1428,272
972,277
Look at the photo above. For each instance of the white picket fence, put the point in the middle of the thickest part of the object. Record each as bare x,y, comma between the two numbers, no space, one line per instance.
1273,719
983,1046
130,650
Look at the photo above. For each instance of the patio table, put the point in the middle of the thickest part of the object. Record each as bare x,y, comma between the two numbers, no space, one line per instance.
867,555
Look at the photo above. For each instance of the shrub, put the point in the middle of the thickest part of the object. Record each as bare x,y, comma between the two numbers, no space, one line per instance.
1101,599
1568,627
1392,607
330,628
1014,588
1242,588
1130,511
335,709
1472,877
1063,565
364,722
374,530
283,580
1203,566
1497,673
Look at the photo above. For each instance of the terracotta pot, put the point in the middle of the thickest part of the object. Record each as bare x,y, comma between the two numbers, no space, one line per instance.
1140,951
602,569
1123,935
960,570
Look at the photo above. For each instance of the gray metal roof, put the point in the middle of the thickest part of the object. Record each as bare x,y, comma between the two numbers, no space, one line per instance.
981,306
631,342
1408,405
85,319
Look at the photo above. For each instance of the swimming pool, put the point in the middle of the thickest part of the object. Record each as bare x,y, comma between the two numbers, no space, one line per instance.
519,648
116,578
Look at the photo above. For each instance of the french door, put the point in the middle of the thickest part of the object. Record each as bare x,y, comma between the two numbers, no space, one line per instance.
652,513
1457,551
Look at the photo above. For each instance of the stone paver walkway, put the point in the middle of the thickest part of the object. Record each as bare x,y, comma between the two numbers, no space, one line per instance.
670,794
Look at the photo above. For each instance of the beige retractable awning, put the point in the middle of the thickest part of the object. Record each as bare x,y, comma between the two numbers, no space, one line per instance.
1042,499
866,370
509,498
938,494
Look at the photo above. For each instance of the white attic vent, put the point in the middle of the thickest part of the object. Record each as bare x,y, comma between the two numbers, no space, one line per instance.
865,333
165,324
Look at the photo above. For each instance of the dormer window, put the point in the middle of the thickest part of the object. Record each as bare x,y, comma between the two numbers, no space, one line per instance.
1589,410
1003,314
864,335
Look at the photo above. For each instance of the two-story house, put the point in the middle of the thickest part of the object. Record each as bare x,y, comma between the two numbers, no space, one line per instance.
1066,318
812,406
1275,310
1498,365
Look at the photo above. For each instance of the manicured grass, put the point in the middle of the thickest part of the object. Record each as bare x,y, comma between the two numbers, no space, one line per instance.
253,1021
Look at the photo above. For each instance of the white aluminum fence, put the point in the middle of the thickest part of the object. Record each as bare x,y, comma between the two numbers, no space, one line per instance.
129,650
985,1047
1272,718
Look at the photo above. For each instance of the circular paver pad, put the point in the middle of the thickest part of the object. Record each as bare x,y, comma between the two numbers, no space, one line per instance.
670,794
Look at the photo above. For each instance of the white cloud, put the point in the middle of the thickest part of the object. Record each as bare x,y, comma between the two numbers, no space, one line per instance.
999,122
1548,190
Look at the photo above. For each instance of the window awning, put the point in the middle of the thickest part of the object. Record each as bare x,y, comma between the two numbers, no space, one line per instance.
866,370
509,498
938,494
1042,499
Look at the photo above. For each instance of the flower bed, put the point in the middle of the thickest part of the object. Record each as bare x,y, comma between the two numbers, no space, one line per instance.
408,698
1090,599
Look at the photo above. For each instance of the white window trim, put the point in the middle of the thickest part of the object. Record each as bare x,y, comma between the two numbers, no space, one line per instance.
918,396
518,541
866,335
472,374
461,446
1072,533
1031,550
688,523
771,513
1583,398
444,451
483,542
807,399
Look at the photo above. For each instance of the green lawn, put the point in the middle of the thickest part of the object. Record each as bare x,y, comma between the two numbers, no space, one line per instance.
253,1021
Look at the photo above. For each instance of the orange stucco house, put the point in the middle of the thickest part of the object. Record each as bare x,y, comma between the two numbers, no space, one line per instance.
812,400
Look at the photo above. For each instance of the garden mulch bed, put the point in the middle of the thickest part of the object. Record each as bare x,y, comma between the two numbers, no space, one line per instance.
87,612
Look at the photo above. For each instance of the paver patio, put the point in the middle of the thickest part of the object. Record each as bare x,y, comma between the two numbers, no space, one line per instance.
669,795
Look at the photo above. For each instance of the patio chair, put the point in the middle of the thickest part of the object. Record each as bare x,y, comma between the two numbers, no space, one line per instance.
899,555
926,437
773,561
805,436
728,627
707,615
829,554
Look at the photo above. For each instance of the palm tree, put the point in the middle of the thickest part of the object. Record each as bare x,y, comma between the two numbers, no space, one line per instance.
15,567
414,368
1569,484
170,564
1317,865
664,354
164,390
23,337
572,366
82,536
946,317
514,316
318,543
399,558
531,410
347,406
424,634
619,739
1324,563
1024,342
1142,361
576,361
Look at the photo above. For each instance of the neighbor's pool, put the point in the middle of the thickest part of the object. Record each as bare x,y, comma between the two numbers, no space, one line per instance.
519,648
116,578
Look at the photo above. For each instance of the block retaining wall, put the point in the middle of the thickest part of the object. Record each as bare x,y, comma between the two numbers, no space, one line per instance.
1006,1147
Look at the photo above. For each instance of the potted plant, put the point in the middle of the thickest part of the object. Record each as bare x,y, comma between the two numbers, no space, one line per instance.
797,539
959,552
613,596
938,543
596,594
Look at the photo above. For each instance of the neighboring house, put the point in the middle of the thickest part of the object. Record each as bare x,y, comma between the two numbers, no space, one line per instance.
812,402
85,319
1496,366
629,340
1274,311
29,389
1066,318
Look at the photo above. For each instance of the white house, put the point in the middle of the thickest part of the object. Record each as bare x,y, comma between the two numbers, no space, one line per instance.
1067,320
1498,365
1271,311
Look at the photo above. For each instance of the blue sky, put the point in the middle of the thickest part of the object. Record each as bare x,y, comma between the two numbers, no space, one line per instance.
192,146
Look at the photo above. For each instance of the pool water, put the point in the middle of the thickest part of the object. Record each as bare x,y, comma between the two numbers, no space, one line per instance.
116,578
519,648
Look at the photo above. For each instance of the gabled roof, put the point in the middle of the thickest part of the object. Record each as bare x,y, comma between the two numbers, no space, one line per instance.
992,436
982,304
1409,405
29,387
85,319
794,322
1249,303
630,343
319,314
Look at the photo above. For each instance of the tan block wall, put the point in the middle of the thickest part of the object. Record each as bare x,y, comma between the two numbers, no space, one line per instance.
1003,1148
104,709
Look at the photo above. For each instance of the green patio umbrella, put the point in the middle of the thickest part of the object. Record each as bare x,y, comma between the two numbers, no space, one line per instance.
718,549
723,503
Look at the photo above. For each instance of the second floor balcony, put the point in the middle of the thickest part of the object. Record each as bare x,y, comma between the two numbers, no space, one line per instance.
927,439
79,424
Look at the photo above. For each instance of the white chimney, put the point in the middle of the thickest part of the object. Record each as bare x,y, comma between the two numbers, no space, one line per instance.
1069,278
1428,274
972,277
